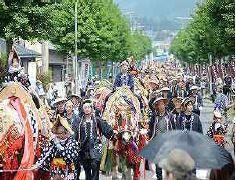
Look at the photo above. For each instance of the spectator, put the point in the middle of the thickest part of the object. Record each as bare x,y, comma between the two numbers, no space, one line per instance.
178,165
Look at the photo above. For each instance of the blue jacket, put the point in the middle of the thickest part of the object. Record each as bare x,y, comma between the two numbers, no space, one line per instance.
196,123
119,82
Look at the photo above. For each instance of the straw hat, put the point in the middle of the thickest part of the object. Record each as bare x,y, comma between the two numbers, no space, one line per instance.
63,122
130,59
154,81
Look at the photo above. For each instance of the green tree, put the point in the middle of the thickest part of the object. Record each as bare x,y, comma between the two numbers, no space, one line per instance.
102,30
210,31
27,19
139,45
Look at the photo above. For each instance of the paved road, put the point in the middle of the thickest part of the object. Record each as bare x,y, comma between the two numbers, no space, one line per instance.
206,119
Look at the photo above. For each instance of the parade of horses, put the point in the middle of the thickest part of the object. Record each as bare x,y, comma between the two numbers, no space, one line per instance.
106,130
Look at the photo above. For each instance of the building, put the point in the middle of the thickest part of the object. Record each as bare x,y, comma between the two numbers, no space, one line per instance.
28,58
52,61
57,64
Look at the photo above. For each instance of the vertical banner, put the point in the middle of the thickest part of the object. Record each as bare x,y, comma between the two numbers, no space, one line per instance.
232,68
109,69
84,72
220,69
213,72
32,71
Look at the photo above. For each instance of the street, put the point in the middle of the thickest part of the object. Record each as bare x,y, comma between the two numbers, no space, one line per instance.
117,86
206,119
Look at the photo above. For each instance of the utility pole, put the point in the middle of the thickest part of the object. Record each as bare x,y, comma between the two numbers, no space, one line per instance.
75,68
210,73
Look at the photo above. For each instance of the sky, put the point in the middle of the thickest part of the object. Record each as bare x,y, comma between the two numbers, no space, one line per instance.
159,8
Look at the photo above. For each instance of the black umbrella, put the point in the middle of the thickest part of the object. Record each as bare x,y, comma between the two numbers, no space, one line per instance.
204,151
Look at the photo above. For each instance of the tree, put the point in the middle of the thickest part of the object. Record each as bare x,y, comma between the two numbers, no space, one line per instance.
27,19
210,31
139,45
102,30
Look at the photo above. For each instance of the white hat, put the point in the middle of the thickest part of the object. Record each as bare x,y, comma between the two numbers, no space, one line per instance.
155,81
160,99
186,100
164,79
60,99
217,114
124,63
38,81
96,82
165,89
178,98
194,88
75,95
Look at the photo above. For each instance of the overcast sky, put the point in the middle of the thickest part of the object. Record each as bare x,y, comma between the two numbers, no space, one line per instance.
160,8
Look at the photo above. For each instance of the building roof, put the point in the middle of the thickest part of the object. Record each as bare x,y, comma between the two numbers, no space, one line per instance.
22,51
26,53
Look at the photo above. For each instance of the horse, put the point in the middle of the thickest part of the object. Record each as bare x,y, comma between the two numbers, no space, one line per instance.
22,127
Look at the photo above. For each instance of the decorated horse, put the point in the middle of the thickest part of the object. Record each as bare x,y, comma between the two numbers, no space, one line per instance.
123,113
24,126
101,93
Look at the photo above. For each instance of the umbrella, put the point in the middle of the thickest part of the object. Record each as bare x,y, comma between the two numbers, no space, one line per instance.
204,151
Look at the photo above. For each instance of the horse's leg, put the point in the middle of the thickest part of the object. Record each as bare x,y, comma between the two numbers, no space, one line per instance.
115,168
129,174
136,172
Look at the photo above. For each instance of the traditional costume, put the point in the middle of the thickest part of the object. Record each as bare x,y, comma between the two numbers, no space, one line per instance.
196,99
124,78
190,122
59,105
132,66
76,100
14,66
60,154
217,129
176,111
160,123
89,134
22,127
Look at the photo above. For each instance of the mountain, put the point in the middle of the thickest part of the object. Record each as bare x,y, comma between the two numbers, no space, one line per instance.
153,8
160,13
